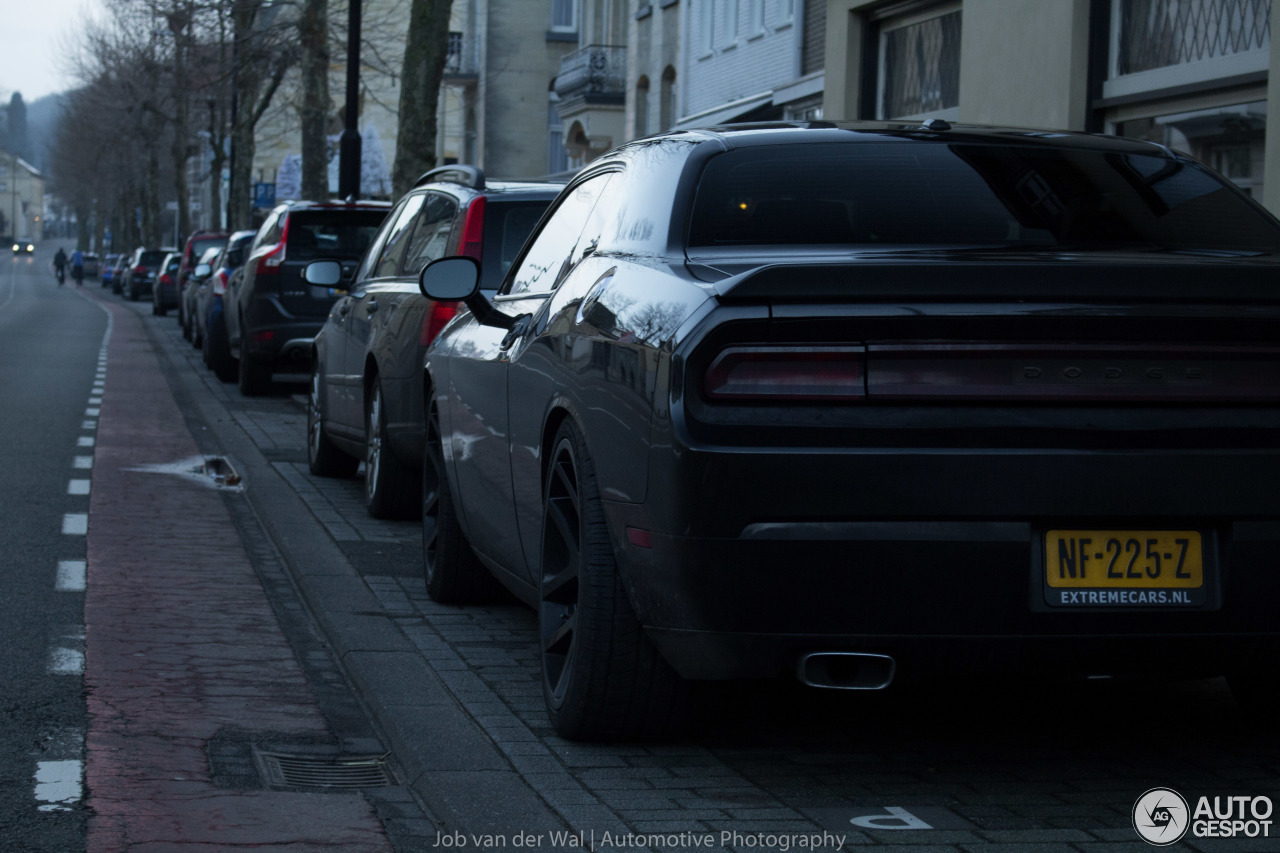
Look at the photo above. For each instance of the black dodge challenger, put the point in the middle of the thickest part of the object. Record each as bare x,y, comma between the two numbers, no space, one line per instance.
865,403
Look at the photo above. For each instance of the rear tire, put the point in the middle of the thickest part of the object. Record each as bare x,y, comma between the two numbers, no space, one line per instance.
220,361
391,490
254,378
602,678
454,573
324,459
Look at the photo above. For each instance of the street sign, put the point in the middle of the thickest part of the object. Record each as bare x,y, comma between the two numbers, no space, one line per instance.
264,195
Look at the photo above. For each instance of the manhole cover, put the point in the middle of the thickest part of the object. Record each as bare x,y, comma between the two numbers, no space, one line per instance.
312,771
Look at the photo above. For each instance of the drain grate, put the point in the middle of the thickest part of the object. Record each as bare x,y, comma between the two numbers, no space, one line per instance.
312,771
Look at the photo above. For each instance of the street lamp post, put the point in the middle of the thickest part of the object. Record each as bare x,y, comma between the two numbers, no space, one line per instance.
349,145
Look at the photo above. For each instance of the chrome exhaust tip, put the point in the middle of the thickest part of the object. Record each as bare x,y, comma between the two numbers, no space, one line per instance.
846,670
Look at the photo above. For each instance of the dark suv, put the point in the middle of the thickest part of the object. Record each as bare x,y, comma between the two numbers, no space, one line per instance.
273,315
140,275
366,388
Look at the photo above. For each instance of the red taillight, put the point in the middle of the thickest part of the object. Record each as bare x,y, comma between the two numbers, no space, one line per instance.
472,244
272,259
220,283
263,337
817,373
435,319
140,269
165,279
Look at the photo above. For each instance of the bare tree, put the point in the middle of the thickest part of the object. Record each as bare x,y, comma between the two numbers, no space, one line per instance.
313,31
425,53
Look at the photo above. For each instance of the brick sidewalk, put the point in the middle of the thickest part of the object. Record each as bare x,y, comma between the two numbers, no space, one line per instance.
182,646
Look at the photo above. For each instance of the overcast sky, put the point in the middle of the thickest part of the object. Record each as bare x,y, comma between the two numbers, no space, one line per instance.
32,36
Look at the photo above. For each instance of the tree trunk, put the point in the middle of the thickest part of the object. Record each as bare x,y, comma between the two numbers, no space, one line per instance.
314,65
425,53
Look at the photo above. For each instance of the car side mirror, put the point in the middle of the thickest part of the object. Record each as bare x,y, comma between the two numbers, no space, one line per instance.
323,273
457,279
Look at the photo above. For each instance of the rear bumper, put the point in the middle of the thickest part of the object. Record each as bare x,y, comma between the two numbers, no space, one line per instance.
272,337
937,556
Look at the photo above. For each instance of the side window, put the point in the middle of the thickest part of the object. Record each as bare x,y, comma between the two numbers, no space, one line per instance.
386,259
431,234
269,234
550,255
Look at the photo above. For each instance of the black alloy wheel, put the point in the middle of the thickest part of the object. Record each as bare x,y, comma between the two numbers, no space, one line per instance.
390,488
323,458
602,677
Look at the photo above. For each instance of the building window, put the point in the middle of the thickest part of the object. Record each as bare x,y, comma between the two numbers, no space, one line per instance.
919,68
1159,33
564,16
707,25
642,107
453,56
755,18
735,10
667,99
557,156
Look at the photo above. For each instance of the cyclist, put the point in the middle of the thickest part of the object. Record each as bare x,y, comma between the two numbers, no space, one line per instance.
77,267
60,266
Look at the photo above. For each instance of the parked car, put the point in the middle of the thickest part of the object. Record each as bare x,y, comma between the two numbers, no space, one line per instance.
92,265
144,267
225,270
164,293
193,251
366,386
120,273
197,284
108,268
272,315
863,401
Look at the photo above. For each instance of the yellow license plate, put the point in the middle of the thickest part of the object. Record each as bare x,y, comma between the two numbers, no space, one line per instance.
1124,559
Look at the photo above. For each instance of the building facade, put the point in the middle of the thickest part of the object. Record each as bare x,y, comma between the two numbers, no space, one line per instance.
21,198
1189,74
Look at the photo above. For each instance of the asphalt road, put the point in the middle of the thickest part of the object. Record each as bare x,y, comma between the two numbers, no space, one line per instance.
50,338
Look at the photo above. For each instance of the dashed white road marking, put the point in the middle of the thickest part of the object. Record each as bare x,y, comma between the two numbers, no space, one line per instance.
88,425
78,487
92,412
95,401
75,523
84,441
64,661
83,462
58,784
72,576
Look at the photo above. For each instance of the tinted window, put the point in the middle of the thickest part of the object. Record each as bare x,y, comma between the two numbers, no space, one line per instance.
152,259
235,253
969,194
548,257
331,234
396,236
430,234
199,247
506,226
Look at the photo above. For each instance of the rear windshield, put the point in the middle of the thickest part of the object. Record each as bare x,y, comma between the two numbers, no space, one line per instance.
331,234
506,226
199,247
961,195
152,259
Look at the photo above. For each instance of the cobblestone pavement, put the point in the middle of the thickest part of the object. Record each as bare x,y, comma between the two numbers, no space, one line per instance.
964,766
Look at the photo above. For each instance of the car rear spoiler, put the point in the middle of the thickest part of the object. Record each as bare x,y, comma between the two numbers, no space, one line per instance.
1058,279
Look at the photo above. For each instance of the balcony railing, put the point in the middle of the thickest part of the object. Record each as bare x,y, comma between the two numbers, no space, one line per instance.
1160,33
457,60
597,72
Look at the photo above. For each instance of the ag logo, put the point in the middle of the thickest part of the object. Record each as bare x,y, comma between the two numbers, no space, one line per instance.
1161,817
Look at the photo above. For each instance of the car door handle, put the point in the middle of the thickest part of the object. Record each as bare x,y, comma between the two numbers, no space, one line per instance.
344,308
373,306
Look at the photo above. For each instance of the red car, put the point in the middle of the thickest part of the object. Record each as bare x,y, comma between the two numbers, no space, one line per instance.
197,244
